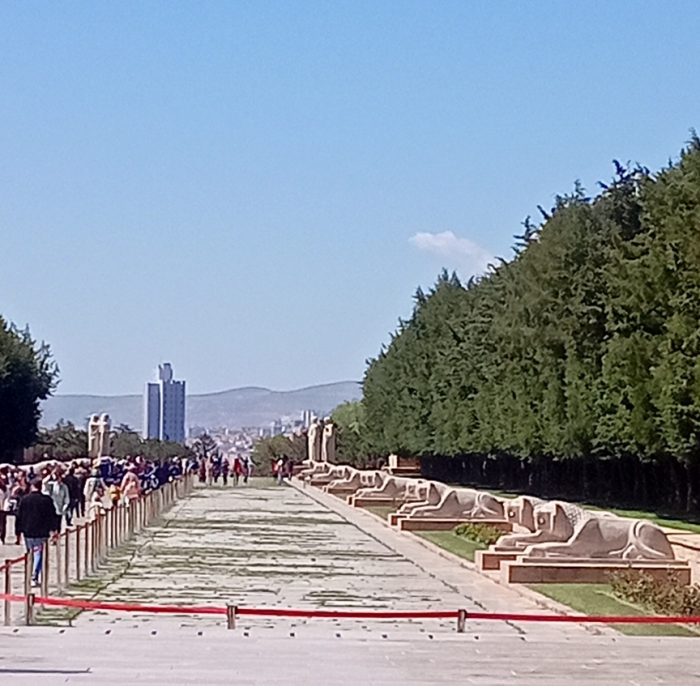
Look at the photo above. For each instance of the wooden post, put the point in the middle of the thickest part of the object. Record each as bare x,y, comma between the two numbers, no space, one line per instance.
28,571
230,616
59,563
77,553
29,609
96,541
93,540
86,550
66,558
45,569
8,591
461,621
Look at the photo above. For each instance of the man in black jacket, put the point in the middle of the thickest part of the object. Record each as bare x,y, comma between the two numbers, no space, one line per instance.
36,521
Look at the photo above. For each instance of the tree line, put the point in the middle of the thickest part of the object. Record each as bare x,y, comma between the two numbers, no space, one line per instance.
572,369
28,375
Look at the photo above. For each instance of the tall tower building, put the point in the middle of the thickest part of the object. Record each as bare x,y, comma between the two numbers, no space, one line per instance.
164,407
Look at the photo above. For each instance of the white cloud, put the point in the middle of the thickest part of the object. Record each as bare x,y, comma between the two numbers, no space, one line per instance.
462,254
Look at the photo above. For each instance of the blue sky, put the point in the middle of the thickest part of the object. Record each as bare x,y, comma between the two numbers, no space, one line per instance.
254,190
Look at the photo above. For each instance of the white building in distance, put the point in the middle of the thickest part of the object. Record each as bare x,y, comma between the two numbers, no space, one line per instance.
164,407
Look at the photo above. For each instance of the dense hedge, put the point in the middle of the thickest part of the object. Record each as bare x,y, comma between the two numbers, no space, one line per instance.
662,596
573,368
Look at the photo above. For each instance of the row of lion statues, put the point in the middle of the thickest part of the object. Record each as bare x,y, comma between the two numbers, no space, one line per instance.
541,528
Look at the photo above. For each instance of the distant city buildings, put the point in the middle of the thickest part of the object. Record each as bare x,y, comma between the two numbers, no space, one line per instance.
164,407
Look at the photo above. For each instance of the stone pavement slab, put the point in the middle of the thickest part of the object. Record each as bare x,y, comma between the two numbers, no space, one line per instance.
213,657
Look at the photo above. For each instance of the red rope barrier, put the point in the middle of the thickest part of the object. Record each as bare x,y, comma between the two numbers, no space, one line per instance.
353,614
129,607
595,619
348,614
16,560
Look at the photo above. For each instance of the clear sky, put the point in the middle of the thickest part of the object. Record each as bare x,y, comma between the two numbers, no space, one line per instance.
253,190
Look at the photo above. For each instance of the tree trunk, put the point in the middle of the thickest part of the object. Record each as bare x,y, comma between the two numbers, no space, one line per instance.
689,485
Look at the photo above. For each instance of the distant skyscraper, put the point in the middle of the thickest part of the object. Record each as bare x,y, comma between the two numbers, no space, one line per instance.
306,417
164,407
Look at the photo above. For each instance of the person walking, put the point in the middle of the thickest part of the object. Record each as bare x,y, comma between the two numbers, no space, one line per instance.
58,491
92,484
279,470
237,469
36,521
209,466
4,508
81,476
130,487
17,491
224,470
73,485
247,468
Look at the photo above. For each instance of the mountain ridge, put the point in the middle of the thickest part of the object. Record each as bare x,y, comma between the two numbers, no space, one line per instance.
234,407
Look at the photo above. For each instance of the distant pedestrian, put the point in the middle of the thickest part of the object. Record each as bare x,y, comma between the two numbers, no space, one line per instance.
92,483
96,505
247,468
224,470
81,476
279,470
36,521
54,487
73,485
130,486
4,508
237,469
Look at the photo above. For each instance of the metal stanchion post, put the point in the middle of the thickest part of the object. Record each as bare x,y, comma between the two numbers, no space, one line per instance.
8,591
461,621
230,616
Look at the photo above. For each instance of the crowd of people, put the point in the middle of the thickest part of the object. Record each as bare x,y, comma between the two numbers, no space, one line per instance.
46,497
213,468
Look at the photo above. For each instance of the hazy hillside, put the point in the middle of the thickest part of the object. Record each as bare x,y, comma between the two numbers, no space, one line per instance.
236,407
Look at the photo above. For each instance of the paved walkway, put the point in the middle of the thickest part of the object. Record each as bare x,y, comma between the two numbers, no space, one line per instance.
279,547
267,546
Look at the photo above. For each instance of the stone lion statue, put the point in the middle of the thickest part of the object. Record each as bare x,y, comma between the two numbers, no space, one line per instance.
356,479
431,494
316,468
342,471
392,487
564,530
531,513
521,511
597,536
463,503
